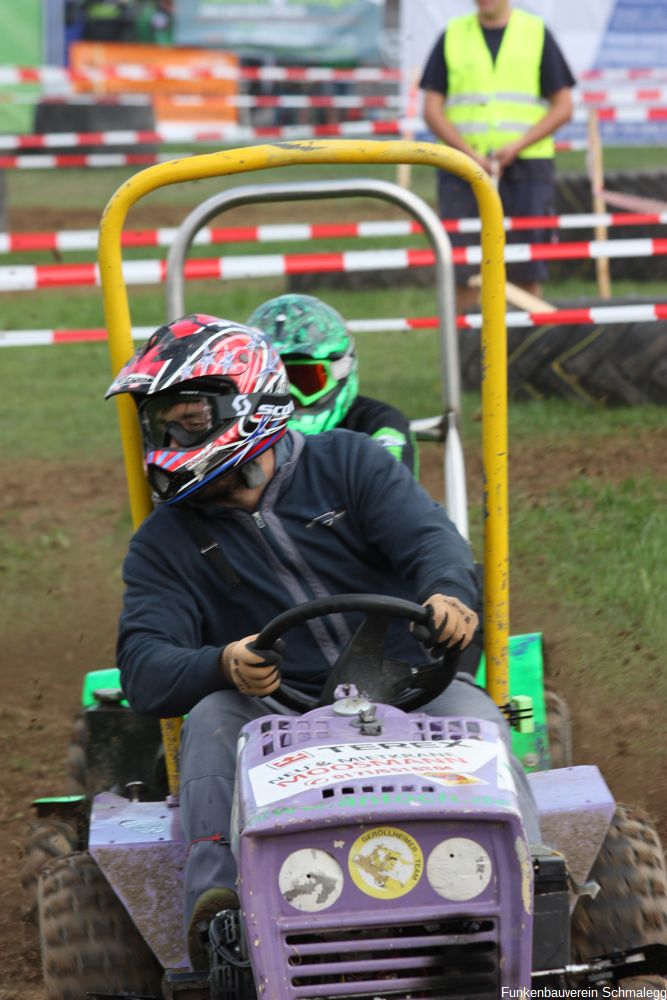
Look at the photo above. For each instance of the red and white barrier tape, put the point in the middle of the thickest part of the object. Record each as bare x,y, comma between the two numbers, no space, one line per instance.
86,239
246,101
138,73
565,317
58,76
58,160
186,133
619,96
624,75
229,133
63,161
28,277
630,115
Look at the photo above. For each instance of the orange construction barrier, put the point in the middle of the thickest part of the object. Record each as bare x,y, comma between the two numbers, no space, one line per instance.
191,99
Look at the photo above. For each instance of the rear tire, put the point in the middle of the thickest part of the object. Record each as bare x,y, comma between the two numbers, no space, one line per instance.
631,907
77,761
89,943
559,729
49,839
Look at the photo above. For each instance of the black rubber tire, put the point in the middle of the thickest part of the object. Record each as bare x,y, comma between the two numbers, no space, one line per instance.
49,839
631,907
559,729
89,773
573,196
52,117
77,761
614,365
88,942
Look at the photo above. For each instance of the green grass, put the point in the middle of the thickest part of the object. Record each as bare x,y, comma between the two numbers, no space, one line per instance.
598,550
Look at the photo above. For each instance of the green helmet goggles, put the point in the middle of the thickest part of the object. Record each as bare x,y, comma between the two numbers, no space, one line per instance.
311,380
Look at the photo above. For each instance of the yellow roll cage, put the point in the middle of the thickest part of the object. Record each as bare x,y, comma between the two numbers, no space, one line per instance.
493,347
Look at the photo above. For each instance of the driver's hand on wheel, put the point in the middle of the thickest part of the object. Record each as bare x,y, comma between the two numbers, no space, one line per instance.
453,621
253,671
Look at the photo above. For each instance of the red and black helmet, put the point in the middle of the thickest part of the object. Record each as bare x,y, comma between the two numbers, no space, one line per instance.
211,395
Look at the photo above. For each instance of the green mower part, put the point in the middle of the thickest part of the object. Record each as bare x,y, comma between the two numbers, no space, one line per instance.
99,680
526,685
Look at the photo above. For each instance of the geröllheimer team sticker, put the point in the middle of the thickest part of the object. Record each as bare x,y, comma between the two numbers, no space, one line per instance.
385,862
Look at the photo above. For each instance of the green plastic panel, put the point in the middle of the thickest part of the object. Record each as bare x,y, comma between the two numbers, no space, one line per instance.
526,670
96,680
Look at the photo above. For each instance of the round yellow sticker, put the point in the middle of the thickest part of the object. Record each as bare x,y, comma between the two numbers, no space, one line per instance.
385,862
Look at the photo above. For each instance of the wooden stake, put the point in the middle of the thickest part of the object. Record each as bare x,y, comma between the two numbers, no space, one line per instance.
519,297
404,170
596,175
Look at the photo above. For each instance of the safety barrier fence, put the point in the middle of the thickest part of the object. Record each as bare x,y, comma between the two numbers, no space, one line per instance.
29,277
79,160
57,76
471,321
86,239
625,75
186,133
182,132
611,97
250,101
243,136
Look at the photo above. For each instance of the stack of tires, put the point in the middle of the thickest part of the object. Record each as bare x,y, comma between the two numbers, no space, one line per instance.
620,364
89,115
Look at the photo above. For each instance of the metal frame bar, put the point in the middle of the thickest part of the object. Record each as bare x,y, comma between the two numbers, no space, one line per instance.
447,425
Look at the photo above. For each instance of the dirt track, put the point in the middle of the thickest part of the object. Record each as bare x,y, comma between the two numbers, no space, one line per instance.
64,630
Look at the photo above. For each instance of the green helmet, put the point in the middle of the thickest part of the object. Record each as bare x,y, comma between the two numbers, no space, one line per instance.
318,354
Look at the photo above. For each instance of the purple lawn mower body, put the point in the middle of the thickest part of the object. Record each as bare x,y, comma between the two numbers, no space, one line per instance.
374,864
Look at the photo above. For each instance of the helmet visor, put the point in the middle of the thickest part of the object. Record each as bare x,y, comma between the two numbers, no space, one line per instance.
309,380
185,420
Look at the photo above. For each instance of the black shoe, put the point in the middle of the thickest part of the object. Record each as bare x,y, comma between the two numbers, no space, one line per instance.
210,902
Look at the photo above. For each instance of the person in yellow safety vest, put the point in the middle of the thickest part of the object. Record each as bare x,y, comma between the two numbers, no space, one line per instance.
108,20
497,86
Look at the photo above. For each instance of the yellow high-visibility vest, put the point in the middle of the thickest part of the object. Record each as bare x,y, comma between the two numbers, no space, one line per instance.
493,104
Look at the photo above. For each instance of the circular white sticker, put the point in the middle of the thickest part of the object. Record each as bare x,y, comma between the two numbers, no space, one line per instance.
459,869
310,880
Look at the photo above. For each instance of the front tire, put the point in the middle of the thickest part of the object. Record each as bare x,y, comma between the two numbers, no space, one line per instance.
88,941
631,907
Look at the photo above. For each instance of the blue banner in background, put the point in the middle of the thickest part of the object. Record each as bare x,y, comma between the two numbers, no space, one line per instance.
305,32
635,37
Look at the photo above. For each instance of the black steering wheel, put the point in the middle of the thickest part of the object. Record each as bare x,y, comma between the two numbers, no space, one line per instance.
362,662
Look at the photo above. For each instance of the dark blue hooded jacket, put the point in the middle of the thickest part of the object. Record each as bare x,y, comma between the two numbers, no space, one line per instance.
340,515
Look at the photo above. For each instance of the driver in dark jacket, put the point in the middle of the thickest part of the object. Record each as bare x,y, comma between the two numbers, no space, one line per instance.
251,521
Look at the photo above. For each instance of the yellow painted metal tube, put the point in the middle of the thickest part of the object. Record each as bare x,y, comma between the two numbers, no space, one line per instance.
494,350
